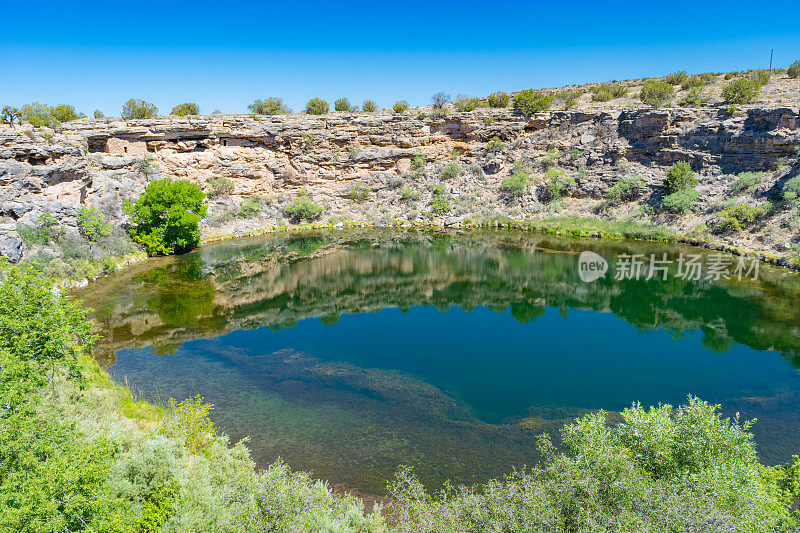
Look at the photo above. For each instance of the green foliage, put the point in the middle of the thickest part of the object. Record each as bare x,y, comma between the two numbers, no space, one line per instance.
98,114
517,183
794,70
39,115
499,99
343,104
418,162
735,218
676,78
760,76
186,109
303,208
45,230
693,98
708,78
569,97
166,218
409,194
791,191
93,224
680,176
439,203
625,189
608,91
747,181
317,106
494,144
450,171
358,193
400,107
692,81
557,182
250,208
369,106
137,109
530,101
439,100
189,421
220,186
9,114
269,106
64,113
656,93
741,91
682,201
147,165
466,103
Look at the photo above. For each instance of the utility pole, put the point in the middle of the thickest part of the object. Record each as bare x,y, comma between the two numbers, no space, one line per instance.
770,60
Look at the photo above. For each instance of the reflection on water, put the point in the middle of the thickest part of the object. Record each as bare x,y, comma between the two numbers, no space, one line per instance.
350,353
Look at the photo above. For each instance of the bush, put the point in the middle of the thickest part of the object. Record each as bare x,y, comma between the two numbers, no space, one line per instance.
679,177
358,193
608,91
691,82
38,115
791,190
369,106
676,78
530,101
44,231
746,182
693,98
557,182
189,421
303,208
682,201
569,97
439,100
494,144
794,70
167,217
466,103
317,106
343,104
439,202
760,76
708,78
656,93
733,219
220,186
137,109
93,224
450,171
400,107
409,194
98,114
517,183
625,189
269,106
183,110
740,91
419,162
250,208
499,99
64,113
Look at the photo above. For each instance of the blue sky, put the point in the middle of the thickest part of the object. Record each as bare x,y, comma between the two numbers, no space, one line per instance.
227,53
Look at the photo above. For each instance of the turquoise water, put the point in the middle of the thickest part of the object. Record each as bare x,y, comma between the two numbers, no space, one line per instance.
349,354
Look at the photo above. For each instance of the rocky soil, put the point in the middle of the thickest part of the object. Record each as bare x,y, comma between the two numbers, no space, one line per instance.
362,166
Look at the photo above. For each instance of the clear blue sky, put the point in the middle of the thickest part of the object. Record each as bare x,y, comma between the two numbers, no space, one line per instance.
226,53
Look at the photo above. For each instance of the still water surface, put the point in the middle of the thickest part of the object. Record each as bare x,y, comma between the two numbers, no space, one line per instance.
350,353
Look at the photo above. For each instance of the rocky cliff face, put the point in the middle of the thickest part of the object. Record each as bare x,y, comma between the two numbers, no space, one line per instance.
272,158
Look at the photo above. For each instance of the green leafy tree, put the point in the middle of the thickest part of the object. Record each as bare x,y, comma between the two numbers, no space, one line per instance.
369,106
343,104
39,115
10,114
93,224
317,106
186,109
303,208
656,93
137,109
499,99
794,70
680,176
269,106
530,101
439,203
166,218
64,113
741,91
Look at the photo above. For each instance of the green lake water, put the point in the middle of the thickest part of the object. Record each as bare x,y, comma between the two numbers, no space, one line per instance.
350,353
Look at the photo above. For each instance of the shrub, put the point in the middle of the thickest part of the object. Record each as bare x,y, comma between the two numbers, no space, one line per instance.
693,98
358,193
439,100
517,183
343,104
186,109
369,106
708,78
189,421
409,194
45,230
439,113
466,103
691,82
250,208
147,166
439,203
38,115
499,99
450,171
317,106
303,208
569,97
608,91
682,201
733,219
676,78
791,190
656,93
98,114
557,182
746,182
269,106
419,162
740,91
400,107
137,109
9,114
530,101
220,186
494,144
625,189
93,224
64,113
794,70
166,217
679,177
760,76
